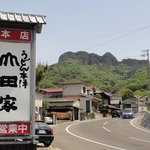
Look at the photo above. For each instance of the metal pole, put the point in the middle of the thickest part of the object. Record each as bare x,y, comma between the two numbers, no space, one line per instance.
148,68
148,65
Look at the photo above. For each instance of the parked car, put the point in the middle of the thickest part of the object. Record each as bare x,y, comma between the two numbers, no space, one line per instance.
128,113
44,133
48,120
116,113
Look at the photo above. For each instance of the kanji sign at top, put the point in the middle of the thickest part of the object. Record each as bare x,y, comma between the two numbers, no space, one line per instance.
17,35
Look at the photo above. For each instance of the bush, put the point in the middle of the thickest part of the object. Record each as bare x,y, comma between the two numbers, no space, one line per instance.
148,107
63,115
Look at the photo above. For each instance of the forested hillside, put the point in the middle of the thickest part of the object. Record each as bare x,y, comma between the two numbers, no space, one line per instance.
110,78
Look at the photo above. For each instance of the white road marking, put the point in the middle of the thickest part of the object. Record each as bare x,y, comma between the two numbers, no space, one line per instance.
103,144
106,129
105,123
140,139
138,127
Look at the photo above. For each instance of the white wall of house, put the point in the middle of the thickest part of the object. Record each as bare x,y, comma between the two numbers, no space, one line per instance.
83,104
74,89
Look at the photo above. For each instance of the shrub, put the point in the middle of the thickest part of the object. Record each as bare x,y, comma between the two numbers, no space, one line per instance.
63,115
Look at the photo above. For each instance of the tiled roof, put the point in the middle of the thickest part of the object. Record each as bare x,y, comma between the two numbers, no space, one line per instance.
52,90
89,87
23,18
63,100
72,82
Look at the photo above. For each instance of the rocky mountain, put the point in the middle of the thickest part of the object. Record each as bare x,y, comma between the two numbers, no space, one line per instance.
106,59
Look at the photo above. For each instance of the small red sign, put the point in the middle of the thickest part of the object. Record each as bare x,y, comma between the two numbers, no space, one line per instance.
15,35
15,128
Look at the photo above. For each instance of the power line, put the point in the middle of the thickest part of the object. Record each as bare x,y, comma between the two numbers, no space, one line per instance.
127,33
122,36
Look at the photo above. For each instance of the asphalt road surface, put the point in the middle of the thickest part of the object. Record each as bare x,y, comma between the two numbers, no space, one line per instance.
103,134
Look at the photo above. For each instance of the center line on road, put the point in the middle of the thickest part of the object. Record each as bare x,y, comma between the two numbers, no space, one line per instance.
105,123
140,139
106,129
103,144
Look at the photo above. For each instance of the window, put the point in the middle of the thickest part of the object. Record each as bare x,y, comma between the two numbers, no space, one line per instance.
84,90
87,106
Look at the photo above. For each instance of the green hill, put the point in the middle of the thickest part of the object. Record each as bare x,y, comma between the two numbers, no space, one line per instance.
110,78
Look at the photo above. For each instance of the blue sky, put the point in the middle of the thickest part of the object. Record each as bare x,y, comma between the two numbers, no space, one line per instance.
121,27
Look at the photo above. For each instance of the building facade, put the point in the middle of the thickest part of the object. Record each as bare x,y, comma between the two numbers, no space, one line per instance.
72,97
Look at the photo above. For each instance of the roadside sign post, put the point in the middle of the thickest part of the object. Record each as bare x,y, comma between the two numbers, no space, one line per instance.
17,78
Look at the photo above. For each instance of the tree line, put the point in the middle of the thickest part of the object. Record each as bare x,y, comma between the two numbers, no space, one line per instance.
120,79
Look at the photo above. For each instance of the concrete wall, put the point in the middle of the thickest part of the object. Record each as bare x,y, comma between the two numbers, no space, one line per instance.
72,89
145,122
83,104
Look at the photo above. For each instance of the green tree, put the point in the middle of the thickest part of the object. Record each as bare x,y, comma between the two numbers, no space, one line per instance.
106,77
127,94
148,107
40,72
45,108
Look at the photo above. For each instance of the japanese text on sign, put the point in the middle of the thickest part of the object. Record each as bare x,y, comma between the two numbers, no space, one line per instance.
15,128
15,77
17,35
8,102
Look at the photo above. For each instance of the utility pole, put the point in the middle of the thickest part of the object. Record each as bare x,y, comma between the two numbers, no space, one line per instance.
146,54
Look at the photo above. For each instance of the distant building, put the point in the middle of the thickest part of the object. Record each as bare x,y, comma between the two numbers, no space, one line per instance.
116,100
138,104
130,103
73,97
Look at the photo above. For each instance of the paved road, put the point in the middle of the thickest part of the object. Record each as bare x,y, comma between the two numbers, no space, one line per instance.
105,134
41,147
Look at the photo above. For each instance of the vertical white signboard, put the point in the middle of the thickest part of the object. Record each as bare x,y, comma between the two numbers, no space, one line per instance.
15,78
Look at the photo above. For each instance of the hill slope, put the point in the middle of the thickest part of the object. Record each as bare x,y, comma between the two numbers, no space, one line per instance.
107,77
107,59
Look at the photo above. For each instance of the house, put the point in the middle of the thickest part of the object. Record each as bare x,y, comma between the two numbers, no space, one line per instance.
138,104
72,97
142,104
52,92
130,103
116,101
104,95
110,101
